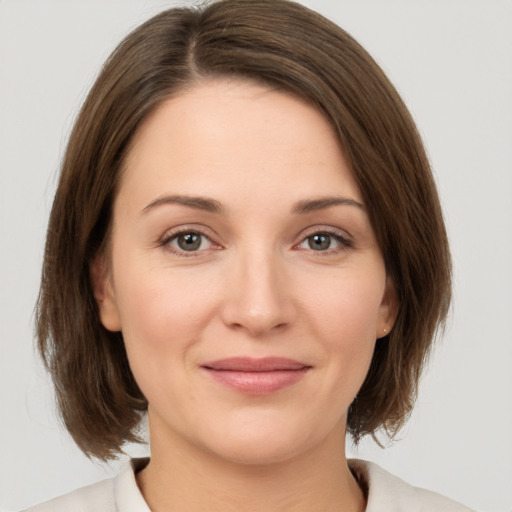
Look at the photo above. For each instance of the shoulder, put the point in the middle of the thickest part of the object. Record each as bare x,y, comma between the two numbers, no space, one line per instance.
98,496
119,494
388,493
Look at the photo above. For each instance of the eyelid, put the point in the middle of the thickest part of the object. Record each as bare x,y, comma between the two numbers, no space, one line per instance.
330,230
342,236
172,233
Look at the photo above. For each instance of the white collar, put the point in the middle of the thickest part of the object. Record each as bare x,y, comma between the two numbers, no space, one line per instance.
126,492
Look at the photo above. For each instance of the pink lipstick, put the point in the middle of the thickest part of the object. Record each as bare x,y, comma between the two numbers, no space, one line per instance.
256,376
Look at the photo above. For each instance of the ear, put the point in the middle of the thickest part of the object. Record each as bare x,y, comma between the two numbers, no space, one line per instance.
388,310
104,294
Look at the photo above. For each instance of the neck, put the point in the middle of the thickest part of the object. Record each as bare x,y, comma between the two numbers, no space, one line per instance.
181,476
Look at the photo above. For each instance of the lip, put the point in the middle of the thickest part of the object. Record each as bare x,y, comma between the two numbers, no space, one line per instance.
256,376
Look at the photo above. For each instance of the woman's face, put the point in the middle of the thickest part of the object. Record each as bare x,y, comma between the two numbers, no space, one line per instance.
245,275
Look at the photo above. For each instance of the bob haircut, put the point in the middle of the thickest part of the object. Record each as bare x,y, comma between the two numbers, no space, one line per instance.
290,48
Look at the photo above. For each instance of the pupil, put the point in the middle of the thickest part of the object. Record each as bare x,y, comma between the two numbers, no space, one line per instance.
189,241
319,242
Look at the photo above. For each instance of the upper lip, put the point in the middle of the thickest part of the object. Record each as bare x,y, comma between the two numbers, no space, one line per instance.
251,364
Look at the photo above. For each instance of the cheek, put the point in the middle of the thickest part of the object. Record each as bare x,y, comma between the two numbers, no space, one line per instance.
345,318
163,317
162,311
347,308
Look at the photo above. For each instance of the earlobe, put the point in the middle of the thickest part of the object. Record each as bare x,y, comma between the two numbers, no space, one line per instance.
388,310
104,294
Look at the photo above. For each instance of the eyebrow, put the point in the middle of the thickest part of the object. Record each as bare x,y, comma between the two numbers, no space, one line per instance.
214,206
196,202
313,205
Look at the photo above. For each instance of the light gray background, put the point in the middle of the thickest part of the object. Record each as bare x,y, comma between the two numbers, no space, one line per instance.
452,62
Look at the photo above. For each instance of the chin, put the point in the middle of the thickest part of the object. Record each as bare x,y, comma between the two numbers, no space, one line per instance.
265,441
258,450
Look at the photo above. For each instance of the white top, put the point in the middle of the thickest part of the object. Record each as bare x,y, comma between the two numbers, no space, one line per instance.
386,493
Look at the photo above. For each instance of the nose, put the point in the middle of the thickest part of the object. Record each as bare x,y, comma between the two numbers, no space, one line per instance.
258,295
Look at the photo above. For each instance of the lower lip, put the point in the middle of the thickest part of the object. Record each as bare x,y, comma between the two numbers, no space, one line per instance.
257,383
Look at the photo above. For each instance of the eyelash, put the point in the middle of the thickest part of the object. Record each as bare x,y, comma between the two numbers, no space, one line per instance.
169,237
344,242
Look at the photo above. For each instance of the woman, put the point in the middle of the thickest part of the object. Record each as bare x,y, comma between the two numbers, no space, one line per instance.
246,242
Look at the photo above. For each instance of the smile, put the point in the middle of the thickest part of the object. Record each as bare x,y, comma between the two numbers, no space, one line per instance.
256,376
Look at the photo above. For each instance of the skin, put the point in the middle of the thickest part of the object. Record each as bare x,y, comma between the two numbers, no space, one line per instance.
256,286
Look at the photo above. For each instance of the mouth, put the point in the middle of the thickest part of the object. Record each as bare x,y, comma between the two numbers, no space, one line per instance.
256,376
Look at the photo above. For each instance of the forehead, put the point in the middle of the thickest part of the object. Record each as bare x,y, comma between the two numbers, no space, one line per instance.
229,139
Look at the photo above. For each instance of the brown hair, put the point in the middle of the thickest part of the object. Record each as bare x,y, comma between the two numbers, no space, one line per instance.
287,46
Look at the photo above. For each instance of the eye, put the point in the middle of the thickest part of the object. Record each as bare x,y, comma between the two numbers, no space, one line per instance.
189,241
324,241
